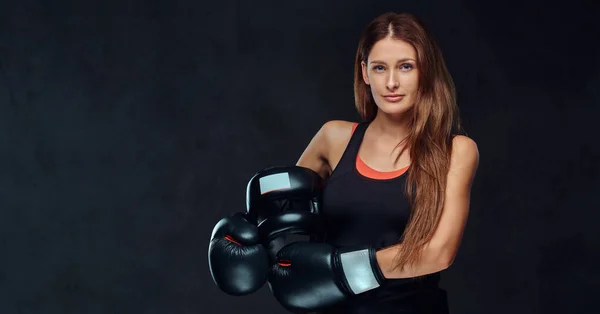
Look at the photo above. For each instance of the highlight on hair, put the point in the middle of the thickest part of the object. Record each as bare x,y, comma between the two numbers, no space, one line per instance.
435,120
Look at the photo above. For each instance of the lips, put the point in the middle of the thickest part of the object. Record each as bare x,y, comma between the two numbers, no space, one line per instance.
393,98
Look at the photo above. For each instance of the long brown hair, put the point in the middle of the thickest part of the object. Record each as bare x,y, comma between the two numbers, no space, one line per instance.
435,119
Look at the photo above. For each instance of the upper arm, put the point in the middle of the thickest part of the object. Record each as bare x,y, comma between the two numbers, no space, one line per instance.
316,155
463,165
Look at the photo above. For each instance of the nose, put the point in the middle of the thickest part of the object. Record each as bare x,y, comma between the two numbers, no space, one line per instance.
392,81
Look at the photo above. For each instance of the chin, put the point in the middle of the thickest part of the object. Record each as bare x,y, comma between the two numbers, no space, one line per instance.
394,109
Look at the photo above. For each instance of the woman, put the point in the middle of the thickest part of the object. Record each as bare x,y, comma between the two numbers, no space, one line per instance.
397,189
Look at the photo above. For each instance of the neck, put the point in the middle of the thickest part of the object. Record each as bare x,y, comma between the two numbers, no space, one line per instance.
393,127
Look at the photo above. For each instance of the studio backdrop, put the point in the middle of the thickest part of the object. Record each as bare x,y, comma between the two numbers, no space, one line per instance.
129,128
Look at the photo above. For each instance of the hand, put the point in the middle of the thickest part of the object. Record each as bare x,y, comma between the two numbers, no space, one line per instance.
238,263
313,276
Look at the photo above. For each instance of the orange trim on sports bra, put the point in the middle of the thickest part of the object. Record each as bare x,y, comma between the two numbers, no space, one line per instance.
369,172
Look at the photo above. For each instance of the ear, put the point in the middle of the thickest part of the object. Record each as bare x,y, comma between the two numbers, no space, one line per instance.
365,74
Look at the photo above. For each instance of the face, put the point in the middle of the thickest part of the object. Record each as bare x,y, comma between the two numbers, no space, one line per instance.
392,74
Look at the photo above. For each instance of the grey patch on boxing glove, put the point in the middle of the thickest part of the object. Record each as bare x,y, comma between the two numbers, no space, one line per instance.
274,182
358,272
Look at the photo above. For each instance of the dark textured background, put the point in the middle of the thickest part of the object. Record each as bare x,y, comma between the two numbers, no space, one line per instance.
129,128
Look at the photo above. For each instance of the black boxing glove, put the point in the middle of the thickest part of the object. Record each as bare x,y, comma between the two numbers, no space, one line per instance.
238,263
310,277
285,201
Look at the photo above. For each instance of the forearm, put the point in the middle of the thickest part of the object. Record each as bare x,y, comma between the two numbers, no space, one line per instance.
432,260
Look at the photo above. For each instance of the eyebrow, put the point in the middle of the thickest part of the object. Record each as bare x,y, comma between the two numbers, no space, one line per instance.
401,60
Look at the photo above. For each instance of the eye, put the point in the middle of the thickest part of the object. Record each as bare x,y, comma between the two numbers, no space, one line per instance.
378,68
406,66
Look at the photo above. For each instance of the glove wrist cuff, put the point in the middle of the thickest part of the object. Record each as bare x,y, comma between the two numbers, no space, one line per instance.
375,266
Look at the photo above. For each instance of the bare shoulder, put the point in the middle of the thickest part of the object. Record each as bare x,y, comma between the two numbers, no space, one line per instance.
462,144
324,146
338,131
465,153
